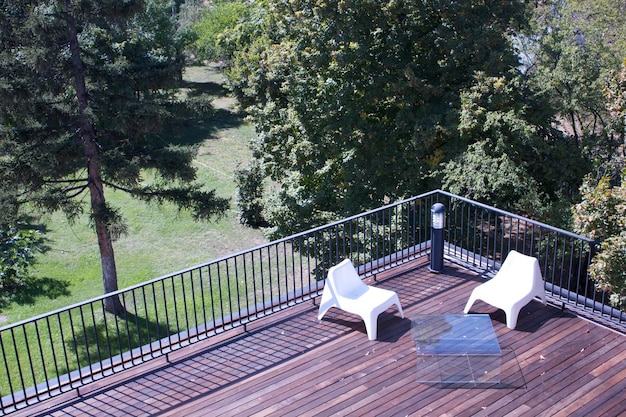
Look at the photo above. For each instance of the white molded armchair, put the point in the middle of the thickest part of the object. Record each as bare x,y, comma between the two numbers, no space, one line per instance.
516,283
344,289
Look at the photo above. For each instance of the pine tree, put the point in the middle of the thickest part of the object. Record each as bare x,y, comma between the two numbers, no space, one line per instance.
86,89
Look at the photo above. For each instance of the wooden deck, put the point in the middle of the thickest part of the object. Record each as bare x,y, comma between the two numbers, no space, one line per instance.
554,364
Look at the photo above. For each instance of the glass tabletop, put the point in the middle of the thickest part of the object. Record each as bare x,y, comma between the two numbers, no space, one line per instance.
456,349
455,334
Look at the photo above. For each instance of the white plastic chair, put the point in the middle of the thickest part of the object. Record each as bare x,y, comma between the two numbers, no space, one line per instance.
344,289
517,282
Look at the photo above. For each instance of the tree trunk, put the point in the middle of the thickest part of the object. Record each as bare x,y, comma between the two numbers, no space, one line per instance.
96,189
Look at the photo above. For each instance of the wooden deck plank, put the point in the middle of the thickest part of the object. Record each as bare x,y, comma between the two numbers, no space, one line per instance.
292,364
571,361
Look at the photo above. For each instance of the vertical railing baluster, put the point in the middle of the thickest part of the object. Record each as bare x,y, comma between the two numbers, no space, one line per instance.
212,295
278,286
137,329
8,373
587,281
75,345
175,304
290,285
220,292
502,219
564,258
555,257
53,351
43,361
269,276
157,325
262,279
245,283
107,337
20,372
84,327
194,309
254,286
184,302
96,337
63,344
30,358
205,320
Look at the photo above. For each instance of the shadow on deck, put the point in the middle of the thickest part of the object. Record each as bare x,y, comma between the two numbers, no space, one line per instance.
291,364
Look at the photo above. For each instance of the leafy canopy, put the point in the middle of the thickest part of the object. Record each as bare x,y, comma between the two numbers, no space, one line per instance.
576,48
514,145
216,18
356,102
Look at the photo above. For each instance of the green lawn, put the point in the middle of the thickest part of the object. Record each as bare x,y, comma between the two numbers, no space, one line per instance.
161,240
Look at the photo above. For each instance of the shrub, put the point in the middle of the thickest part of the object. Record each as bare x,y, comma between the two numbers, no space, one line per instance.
249,198
17,246
218,17
602,216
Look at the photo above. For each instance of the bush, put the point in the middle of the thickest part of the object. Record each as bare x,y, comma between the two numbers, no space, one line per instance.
608,269
217,18
17,246
602,216
249,195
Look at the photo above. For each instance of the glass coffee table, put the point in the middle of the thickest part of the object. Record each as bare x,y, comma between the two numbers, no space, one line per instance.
456,349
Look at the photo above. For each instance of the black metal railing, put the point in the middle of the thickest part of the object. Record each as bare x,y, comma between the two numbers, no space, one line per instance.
482,236
71,347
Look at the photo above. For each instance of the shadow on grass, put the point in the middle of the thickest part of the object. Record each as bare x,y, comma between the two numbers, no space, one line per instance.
29,289
195,130
211,88
35,288
93,343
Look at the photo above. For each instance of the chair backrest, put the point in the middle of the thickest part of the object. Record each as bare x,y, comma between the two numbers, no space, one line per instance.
523,269
345,280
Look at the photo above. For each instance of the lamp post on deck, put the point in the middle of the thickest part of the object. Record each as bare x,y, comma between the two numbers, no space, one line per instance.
438,222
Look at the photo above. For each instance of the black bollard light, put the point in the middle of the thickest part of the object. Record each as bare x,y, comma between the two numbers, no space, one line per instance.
438,222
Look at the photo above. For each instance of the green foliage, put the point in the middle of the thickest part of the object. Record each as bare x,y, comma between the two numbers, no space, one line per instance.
249,198
486,175
513,145
608,269
356,101
615,93
132,71
602,211
17,248
217,18
602,216
577,46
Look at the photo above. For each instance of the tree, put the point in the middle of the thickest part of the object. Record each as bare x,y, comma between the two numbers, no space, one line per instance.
601,215
575,48
615,93
86,89
511,161
357,101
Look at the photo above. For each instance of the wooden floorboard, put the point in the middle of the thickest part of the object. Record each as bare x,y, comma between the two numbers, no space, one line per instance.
553,364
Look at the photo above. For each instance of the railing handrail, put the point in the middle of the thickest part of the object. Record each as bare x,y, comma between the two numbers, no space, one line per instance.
518,217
